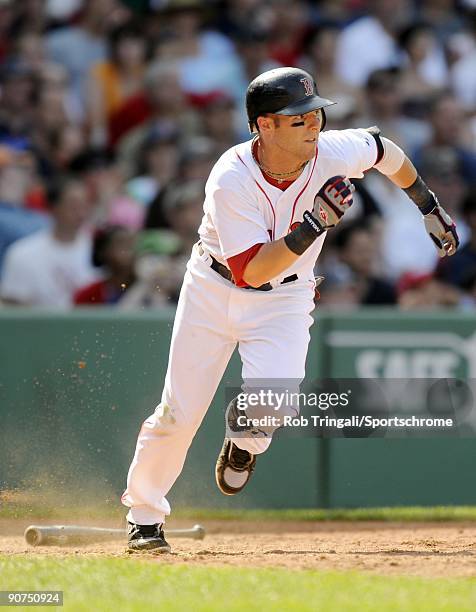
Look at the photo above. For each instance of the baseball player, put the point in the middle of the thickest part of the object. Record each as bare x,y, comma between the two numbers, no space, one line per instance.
249,282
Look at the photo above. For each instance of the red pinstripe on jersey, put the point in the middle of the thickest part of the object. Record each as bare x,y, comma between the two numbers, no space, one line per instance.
304,188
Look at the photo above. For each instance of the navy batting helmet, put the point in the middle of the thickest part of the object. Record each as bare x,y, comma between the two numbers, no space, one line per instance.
283,91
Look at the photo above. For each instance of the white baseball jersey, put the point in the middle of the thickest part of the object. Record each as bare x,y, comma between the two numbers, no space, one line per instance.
243,209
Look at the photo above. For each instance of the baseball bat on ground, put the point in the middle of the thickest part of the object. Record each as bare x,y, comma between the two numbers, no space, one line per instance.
44,535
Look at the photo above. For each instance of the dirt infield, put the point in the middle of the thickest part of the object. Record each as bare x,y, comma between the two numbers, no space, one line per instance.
417,549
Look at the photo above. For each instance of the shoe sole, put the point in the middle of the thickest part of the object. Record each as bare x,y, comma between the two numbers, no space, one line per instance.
150,551
141,545
227,491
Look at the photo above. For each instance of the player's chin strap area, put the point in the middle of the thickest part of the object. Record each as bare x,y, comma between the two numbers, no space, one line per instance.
223,271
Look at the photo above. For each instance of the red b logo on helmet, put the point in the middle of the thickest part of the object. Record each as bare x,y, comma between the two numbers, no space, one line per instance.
308,88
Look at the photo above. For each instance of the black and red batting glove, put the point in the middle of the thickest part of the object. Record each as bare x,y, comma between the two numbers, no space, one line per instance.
330,204
332,200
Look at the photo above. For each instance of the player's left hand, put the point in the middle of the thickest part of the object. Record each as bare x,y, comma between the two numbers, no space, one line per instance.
442,230
332,200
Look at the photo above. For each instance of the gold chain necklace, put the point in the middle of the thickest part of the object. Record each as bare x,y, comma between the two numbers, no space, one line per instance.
280,176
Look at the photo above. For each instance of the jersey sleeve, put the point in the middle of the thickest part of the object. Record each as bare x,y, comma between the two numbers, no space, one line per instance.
357,147
238,263
238,221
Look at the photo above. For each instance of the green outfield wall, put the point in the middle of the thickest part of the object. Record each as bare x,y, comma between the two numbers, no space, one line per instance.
74,389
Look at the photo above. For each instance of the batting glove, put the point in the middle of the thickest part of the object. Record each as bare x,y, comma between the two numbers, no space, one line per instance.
441,229
332,200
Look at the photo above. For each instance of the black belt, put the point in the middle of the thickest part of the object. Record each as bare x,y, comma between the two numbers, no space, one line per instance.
225,273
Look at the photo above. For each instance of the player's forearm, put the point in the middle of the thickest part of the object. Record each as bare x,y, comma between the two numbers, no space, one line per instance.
400,170
272,259
408,179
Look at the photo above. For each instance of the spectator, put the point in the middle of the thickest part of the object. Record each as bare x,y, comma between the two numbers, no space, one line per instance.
195,163
383,107
370,43
197,158
113,81
55,78
31,16
468,286
6,19
463,73
30,49
424,291
287,27
170,113
341,12
65,145
17,173
156,271
206,59
254,58
217,112
320,60
55,133
442,17
183,208
157,166
103,179
449,129
60,11
358,255
47,268
78,47
163,266
418,81
237,15
252,46
113,253
49,118
457,270
16,101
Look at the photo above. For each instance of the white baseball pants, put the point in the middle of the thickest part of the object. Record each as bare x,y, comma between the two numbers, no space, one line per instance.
271,329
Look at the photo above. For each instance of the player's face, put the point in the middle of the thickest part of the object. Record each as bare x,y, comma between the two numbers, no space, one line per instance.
297,134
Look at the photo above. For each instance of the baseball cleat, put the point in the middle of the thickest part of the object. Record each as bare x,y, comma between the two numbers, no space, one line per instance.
234,468
149,538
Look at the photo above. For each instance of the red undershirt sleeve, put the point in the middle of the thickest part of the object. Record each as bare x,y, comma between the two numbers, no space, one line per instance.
238,263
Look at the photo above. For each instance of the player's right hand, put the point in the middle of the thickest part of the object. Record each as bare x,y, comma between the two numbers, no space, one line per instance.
332,200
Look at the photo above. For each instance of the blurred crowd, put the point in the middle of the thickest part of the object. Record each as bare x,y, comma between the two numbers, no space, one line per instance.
113,112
